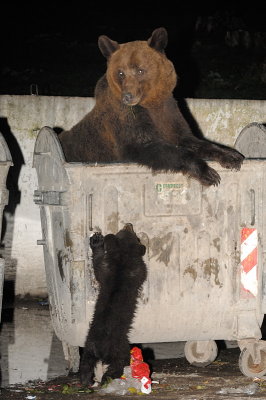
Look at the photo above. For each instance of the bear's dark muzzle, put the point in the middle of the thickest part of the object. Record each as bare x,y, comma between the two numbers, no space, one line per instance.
128,227
127,98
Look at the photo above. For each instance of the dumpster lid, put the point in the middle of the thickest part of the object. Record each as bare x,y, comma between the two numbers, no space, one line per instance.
49,161
251,141
48,142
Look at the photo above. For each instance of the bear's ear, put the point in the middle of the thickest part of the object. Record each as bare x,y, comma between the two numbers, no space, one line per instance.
158,39
107,46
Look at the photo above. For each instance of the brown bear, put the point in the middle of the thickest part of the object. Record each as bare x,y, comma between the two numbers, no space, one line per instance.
120,270
136,118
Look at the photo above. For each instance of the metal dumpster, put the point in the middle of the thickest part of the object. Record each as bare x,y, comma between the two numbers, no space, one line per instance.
205,251
5,163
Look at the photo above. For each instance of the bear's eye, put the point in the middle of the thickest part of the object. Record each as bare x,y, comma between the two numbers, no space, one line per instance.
121,74
140,71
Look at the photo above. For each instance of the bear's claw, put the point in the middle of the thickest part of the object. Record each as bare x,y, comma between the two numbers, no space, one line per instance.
96,240
210,177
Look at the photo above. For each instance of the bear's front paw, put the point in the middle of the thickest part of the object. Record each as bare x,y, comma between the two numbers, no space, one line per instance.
206,175
232,159
96,241
86,378
211,177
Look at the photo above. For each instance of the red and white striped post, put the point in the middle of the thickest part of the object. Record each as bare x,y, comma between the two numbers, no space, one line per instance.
249,261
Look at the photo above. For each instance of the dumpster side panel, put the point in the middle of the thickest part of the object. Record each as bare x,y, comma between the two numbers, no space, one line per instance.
193,248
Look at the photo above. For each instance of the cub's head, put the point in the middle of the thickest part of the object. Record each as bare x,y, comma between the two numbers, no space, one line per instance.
139,72
129,243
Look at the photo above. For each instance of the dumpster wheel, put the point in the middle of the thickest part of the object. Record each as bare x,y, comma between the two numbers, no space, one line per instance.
201,353
250,368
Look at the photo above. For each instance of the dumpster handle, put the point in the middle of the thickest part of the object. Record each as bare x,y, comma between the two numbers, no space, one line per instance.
252,197
90,211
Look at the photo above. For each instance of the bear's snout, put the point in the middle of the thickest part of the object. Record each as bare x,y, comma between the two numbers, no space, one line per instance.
127,98
128,227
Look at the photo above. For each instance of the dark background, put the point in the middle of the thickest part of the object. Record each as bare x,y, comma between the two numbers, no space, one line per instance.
218,48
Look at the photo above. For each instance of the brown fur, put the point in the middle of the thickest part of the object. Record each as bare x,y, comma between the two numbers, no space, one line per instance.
133,57
136,119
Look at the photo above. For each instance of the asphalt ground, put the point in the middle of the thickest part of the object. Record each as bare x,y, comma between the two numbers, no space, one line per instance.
173,379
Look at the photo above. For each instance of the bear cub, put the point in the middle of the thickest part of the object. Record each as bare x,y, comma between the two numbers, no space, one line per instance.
120,270
136,118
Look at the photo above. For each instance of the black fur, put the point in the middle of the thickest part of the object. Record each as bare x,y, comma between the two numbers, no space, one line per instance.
120,271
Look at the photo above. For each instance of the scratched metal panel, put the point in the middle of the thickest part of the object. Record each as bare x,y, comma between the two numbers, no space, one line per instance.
192,235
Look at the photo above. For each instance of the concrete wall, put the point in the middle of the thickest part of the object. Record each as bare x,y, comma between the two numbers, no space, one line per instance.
21,117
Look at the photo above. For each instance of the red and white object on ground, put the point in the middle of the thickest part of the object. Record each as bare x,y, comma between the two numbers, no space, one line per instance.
140,370
249,260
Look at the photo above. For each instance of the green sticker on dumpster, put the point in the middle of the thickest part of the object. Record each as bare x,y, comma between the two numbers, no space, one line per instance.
169,186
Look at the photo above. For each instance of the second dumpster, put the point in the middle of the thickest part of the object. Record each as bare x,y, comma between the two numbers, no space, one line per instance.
5,163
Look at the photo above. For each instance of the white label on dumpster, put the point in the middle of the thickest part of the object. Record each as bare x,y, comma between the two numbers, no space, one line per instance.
172,198
170,191
249,260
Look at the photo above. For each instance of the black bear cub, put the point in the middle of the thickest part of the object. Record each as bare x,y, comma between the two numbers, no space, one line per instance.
120,271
